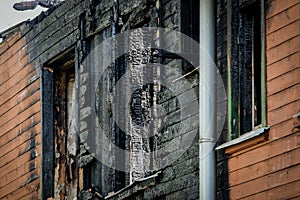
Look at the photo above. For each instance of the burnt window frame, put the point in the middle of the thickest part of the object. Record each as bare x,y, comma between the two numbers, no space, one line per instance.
63,63
247,10
47,163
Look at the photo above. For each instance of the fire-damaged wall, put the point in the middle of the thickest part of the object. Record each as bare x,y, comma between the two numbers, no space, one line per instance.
73,125
43,72
179,179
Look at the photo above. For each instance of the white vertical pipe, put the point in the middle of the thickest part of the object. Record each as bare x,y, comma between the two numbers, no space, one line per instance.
207,100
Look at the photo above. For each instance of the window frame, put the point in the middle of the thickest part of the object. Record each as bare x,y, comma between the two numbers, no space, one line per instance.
64,63
47,158
232,107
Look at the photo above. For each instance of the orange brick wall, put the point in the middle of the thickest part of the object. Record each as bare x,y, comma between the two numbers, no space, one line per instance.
272,170
20,122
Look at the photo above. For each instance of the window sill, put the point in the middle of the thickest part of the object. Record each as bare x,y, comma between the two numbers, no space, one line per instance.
246,141
135,187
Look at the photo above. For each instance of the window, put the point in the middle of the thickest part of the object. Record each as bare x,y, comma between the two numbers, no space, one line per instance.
246,102
59,146
120,129
190,26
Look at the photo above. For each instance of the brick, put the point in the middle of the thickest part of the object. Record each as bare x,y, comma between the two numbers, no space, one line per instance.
283,82
283,66
284,34
12,65
275,7
282,19
284,97
126,6
265,183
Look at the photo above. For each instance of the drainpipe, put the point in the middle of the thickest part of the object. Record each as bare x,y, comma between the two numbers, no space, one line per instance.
207,101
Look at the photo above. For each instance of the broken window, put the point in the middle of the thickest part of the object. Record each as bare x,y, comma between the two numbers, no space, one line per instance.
119,132
59,154
247,72
65,137
134,134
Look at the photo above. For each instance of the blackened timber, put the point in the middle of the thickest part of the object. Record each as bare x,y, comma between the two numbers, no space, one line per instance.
47,135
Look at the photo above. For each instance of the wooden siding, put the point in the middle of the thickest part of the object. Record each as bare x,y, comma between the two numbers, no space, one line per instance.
272,170
20,117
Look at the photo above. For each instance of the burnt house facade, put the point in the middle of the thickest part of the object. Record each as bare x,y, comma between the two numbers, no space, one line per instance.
152,99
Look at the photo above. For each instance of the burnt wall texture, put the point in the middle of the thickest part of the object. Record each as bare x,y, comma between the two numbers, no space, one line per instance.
222,41
44,52
47,152
176,180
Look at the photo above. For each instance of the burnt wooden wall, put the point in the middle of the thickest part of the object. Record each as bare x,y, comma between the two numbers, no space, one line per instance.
76,26
268,171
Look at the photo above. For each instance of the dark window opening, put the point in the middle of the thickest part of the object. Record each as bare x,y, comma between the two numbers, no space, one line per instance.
250,67
59,141
190,18
247,68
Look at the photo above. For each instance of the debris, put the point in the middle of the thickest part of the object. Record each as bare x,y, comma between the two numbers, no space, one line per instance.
25,5
31,5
